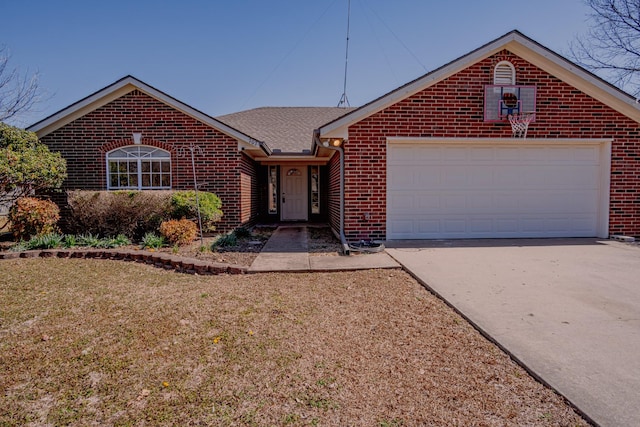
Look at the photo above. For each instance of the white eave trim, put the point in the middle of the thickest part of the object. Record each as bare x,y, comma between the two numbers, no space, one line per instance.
516,43
120,88
300,159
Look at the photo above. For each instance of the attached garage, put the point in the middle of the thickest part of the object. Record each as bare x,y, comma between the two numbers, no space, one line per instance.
497,188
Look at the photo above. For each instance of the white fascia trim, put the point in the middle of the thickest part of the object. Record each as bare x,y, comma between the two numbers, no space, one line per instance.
576,76
415,86
82,107
517,44
120,88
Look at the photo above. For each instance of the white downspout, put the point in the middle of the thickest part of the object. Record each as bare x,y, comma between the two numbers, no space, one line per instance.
343,239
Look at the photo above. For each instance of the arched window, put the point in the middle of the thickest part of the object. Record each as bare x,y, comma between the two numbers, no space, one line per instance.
504,74
138,167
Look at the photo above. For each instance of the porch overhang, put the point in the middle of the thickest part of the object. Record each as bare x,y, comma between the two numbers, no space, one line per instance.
279,159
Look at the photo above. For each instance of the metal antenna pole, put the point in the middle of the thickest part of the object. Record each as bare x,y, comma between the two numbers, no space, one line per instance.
195,186
344,101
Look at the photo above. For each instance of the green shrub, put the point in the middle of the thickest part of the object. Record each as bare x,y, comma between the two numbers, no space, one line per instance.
70,241
31,216
88,240
114,242
110,213
179,232
183,205
153,241
19,247
242,233
45,241
224,241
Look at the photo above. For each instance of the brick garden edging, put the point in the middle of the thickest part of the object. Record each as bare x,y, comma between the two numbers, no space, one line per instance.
157,259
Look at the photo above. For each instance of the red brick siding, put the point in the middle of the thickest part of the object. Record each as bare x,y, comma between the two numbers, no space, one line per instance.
250,199
333,190
454,108
85,141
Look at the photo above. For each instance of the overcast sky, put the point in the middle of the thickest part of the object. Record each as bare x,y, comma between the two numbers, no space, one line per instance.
223,56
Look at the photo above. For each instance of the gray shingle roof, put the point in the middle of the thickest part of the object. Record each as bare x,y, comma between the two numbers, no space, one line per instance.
289,129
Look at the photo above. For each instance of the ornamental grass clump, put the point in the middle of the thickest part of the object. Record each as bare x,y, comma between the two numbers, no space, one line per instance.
30,217
225,241
179,232
45,241
152,241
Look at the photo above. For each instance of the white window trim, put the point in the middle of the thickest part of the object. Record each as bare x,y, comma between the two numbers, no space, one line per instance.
139,159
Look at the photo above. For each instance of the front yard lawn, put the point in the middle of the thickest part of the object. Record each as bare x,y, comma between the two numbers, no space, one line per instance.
92,342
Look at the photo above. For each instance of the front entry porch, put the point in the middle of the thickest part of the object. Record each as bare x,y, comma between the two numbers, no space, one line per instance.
294,192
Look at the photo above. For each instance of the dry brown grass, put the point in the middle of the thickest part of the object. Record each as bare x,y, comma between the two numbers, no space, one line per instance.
90,342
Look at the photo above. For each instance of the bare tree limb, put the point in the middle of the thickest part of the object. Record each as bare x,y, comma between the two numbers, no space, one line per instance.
612,45
18,92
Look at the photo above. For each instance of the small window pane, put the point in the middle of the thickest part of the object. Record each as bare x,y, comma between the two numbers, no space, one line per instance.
273,189
135,167
315,189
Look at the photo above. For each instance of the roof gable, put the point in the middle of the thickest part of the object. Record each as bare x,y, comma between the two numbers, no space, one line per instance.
518,44
122,87
287,129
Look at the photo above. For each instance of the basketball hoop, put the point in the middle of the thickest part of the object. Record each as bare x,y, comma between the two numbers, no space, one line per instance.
520,123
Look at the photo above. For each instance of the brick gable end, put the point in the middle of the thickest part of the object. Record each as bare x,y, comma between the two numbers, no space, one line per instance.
454,108
85,141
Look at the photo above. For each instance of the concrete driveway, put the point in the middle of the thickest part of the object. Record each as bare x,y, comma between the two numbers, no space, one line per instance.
568,309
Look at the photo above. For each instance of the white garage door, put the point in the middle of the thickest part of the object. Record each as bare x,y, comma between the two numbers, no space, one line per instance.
493,191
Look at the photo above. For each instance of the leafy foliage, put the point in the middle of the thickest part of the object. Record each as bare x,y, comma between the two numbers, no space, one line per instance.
225,240
242,233
114,242
179,232
152,240
55,240
110,213
45,241
26,165
183,205
88,240
30,216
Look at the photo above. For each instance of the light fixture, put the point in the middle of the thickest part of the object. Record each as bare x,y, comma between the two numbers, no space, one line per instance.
336,142
137,137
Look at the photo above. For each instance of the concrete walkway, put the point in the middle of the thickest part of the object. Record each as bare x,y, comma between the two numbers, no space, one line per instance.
288,250
568,309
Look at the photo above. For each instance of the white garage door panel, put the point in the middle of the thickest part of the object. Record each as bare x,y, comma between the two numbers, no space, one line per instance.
464,191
